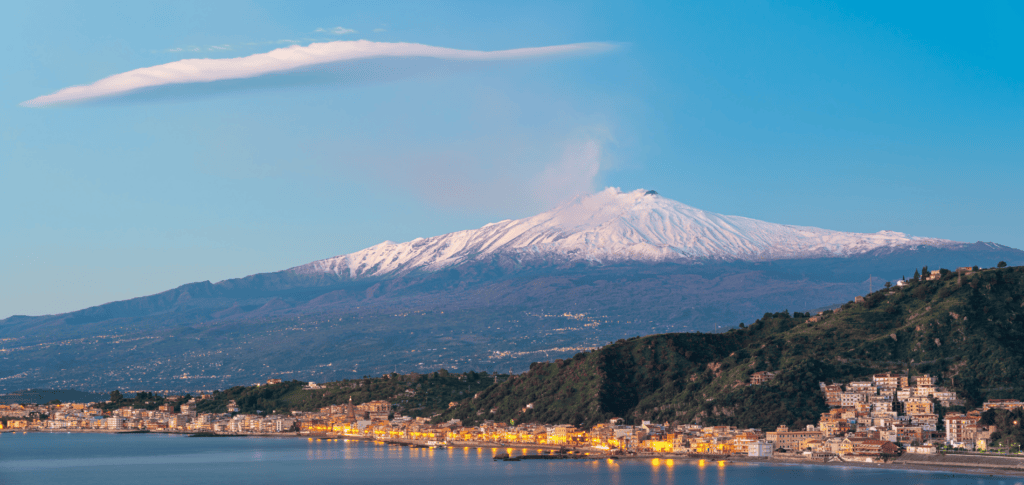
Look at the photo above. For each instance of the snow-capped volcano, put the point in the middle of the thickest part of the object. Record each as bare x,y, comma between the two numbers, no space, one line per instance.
376,305
612,226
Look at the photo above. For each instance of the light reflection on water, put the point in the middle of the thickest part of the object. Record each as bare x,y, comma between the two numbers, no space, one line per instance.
114,460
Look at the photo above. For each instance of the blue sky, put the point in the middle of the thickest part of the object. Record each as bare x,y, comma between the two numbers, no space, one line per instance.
857,117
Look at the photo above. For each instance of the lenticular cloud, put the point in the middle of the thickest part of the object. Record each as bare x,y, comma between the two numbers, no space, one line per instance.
284,60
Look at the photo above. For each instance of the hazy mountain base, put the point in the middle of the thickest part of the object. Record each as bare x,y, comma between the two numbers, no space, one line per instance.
969,332
484,316
43,396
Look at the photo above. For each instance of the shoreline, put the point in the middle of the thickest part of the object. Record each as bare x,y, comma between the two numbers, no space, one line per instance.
896,464
1013,467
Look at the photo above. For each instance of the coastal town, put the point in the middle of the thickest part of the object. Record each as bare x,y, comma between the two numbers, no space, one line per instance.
868,421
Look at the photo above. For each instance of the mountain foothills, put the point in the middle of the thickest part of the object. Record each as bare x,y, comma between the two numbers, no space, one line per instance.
411,394
967,330
598,269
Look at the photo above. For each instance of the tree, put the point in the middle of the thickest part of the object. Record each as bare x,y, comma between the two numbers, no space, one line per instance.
115,396
1002,264
917,276
888,285
924,272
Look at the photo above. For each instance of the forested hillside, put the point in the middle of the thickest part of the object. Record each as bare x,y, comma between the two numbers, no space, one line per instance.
410,394
966,329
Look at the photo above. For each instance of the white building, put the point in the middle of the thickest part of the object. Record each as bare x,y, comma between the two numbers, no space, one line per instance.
189,408
282,425
115,422
849,399
761,449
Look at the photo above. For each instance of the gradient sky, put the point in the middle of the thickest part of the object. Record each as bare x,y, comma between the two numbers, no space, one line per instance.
856,117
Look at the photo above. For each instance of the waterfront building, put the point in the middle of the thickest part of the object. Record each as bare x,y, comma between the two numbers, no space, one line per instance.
788,440
961,430
375,410
115,422
761,449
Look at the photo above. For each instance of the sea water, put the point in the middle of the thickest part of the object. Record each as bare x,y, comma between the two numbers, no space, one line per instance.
115,459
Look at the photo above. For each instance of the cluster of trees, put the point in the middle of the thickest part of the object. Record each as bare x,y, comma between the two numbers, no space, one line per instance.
924,271
139,400
430,394
1009,435
411,394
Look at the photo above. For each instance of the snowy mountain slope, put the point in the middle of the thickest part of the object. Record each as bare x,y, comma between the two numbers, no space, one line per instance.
388,307
612,227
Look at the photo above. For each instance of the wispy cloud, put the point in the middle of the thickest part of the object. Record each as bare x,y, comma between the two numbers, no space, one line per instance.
495,175
336,31
380,30
212,48
574,174
288,59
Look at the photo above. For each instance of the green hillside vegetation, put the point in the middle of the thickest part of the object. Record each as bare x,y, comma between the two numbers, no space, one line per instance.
140,400
1009,435
411,394
966,330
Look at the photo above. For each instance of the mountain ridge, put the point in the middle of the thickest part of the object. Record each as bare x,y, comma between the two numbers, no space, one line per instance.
484,311
615,226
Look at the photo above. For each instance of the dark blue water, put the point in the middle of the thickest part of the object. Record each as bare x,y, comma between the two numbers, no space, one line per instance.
155,458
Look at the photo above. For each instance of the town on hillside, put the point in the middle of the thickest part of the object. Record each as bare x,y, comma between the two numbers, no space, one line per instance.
870,420
888,415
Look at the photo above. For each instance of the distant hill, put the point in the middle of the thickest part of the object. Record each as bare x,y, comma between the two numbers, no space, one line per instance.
968,331
43,396
410,394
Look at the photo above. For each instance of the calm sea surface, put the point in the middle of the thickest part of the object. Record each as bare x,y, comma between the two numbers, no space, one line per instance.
155,458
